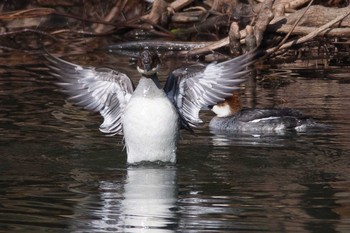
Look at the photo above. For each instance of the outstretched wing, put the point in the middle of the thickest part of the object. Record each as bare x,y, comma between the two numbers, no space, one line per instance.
199,86
100,90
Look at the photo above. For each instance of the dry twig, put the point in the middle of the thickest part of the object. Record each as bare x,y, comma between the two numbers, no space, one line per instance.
293,27
312,34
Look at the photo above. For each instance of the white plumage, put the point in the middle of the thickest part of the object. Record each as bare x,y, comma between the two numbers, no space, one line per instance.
150,125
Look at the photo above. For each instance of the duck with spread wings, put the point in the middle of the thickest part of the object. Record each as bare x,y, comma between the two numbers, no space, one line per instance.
149,116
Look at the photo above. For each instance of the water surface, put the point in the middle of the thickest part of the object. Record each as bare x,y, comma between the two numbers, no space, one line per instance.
60,174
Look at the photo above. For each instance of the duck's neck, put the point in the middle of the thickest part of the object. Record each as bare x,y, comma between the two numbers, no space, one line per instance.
155,79
149,87
229,107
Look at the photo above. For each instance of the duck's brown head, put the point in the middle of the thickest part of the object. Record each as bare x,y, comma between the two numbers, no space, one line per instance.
229,107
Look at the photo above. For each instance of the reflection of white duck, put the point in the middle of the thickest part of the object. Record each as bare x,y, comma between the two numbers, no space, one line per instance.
149,199
143,202
230,118
149,117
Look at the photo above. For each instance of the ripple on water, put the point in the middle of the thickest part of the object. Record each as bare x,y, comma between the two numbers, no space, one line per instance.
59,174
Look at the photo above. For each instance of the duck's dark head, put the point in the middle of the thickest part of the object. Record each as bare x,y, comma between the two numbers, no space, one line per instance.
148,63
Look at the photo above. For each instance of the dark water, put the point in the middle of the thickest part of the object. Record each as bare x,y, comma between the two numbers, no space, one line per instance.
58,173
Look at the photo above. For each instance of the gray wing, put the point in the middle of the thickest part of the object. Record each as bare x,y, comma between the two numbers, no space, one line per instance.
196,87
100,90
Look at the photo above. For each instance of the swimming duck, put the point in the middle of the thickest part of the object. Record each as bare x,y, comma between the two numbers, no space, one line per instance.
231,118
149,116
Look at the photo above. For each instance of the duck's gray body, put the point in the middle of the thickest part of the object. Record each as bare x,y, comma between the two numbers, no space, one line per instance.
261,121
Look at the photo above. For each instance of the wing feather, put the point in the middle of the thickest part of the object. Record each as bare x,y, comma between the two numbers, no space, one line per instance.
201,86
100,90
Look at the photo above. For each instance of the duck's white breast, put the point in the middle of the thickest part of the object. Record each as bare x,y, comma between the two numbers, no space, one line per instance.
150,125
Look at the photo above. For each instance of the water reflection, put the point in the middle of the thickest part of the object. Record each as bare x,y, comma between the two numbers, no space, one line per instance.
59,174
221,138
267,189
144,203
